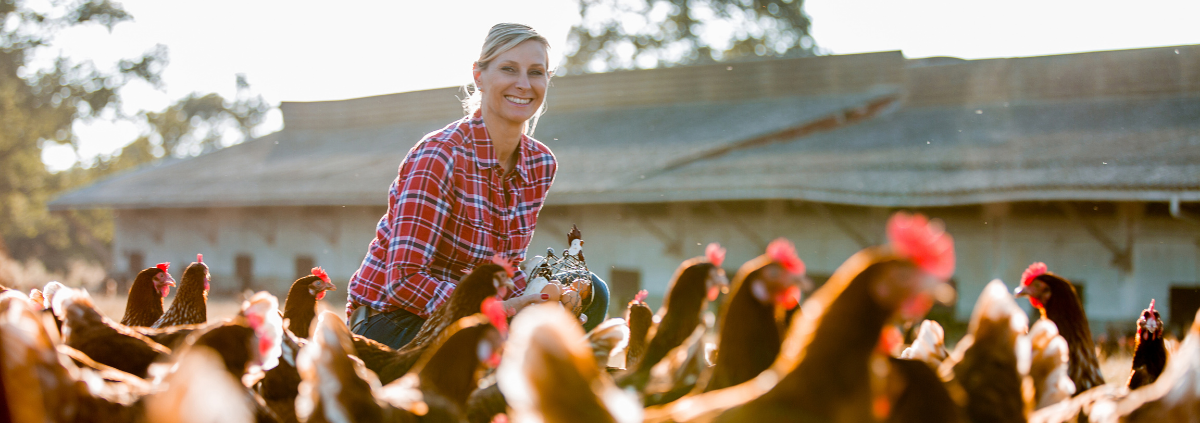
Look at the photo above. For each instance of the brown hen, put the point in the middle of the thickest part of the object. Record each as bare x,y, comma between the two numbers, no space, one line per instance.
191,300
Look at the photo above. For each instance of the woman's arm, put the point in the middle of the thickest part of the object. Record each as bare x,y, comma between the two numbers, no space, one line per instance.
423,200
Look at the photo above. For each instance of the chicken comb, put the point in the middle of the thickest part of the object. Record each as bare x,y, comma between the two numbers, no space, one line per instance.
507,265
783,252
164,266
641,296
924,242
494,310
1151,304
320,273
715,254
199,258
1032,272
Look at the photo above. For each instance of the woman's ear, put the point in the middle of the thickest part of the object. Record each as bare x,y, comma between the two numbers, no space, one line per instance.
475,73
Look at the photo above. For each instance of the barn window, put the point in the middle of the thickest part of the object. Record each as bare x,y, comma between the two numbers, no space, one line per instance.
304,265
622,286
137,262
1185,301
243,266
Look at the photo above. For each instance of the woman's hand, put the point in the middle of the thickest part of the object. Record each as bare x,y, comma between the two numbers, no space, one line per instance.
550,293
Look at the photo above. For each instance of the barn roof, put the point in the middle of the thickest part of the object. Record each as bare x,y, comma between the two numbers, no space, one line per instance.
870,129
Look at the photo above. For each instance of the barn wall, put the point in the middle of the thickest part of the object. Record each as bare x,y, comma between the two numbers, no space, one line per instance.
995,241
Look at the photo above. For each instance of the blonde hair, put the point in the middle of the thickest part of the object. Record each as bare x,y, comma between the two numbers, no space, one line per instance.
501,38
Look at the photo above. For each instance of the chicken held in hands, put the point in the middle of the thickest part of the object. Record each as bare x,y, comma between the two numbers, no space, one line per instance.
145,303
191,300
1056,299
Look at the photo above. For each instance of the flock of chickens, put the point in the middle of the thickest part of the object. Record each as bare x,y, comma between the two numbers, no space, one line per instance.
837,357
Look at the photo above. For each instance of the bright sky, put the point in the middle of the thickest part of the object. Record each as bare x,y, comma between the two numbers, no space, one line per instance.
308,51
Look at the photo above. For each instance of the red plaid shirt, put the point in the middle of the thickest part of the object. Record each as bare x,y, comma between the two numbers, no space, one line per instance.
450,208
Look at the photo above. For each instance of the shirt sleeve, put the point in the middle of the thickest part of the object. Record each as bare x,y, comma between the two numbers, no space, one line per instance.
423,193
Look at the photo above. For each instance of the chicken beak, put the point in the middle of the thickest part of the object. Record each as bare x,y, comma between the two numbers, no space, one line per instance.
1020,290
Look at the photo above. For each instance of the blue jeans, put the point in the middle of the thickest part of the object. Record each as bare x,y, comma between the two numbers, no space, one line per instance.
394,328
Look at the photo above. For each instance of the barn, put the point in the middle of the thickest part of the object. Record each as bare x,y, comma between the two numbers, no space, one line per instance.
1089,162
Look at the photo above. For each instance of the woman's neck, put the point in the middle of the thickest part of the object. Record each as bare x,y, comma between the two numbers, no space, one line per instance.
505,139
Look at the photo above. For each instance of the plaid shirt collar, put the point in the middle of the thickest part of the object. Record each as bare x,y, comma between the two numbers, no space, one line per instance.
485,151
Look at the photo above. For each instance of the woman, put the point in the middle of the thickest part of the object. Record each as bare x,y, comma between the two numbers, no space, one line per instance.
463,194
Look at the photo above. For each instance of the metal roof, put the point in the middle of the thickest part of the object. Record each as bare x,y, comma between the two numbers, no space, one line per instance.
871,129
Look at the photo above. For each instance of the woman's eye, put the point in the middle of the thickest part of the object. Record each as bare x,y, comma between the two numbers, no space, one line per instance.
536,73
507,69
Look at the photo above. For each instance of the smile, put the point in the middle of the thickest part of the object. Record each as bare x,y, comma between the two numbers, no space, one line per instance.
517,100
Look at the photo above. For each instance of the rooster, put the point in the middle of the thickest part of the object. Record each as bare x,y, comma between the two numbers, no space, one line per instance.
105,341
145,303
336,387
829,367
191,301
696,282
752,317
548,375
1056,299
300,306
1150,354
639,318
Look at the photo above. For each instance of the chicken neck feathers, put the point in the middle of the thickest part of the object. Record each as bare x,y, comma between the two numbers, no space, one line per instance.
1066,311
300,306
191,299
985,363
145,303
105,341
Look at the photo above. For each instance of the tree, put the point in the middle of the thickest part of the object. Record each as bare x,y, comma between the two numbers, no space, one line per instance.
40,106
626,34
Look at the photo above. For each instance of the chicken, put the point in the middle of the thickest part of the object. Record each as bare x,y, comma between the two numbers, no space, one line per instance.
991,363
930,346
1056,299
38,384
105,341
191,301
830,368
1173,397
145,303
336,387
548,375
609,339
696,282
1150,354
199,391
751,326
639,318
250,341
452,366
1049,365
485,280
280,386
677,373
300,306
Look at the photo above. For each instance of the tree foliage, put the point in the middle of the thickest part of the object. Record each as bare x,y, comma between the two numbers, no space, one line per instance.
626,34
40,106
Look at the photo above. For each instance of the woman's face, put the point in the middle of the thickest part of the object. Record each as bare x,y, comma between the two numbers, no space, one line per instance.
513,86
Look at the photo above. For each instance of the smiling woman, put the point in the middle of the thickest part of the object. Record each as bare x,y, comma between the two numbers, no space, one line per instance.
464,194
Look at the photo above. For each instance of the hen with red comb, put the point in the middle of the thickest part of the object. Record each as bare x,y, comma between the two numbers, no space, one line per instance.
144,305
191,301
1056,299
